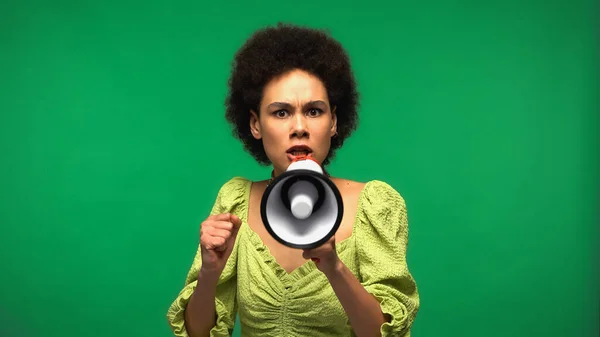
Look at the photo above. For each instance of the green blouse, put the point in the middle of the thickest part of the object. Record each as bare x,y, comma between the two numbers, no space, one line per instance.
272,302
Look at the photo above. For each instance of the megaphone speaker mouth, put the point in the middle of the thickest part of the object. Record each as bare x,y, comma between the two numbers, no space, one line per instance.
302,208
306,194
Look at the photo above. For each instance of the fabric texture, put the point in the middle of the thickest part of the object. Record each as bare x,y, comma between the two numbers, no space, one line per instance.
273,302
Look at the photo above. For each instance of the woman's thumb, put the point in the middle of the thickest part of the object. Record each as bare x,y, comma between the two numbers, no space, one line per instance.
235,220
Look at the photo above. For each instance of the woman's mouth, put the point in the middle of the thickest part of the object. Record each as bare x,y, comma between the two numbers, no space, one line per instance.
298,151
292,156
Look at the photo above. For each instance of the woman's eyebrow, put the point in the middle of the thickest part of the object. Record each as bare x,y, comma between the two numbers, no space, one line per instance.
288,105
279,105
317,102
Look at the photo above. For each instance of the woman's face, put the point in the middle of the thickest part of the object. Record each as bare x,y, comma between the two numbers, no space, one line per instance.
295,118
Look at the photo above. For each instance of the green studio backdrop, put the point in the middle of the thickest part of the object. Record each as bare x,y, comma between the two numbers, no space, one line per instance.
483,115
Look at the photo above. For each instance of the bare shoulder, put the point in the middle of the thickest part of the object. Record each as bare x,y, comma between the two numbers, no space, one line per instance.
349,187
257,188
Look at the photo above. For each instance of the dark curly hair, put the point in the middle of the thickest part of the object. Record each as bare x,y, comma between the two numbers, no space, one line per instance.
273,51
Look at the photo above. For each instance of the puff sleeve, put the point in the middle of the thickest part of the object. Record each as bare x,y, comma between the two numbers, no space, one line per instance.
229,199
383,269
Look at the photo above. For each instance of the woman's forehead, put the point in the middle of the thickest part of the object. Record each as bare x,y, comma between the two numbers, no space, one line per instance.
296,87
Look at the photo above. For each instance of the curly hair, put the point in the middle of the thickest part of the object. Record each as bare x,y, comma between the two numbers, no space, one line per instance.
273,51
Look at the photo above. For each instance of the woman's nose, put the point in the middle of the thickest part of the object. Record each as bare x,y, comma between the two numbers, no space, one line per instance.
299,127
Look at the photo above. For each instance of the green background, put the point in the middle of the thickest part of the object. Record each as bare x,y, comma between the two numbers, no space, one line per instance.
482,114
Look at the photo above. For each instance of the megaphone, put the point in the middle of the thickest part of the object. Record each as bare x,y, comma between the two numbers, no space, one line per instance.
302,208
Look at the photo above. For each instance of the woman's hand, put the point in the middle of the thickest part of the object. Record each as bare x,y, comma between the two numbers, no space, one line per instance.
217,238
325,257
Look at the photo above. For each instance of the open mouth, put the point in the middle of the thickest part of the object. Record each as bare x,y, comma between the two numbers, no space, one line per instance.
299,150
299,153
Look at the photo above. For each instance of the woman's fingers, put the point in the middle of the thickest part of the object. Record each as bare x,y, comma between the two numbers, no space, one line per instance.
217,232
213,242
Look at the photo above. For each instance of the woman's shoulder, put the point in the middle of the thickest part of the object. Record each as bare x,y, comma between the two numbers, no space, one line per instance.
374,195
235,182
373,190
232,195
377,200
381,211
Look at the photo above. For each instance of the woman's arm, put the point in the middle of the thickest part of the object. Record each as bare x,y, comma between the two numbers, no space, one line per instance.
363,310
200,314
207,303
385,301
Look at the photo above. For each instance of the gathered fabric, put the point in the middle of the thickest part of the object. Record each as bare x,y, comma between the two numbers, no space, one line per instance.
272,302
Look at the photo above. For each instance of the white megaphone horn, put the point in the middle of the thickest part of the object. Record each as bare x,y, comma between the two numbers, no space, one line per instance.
302,207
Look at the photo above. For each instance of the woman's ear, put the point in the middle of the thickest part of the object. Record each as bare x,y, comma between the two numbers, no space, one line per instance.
255,125
333,122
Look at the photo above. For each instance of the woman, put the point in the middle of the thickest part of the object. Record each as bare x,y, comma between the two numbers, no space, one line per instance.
292,93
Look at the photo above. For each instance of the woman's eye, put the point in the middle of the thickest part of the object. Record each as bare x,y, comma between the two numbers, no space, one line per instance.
314,112
280,113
